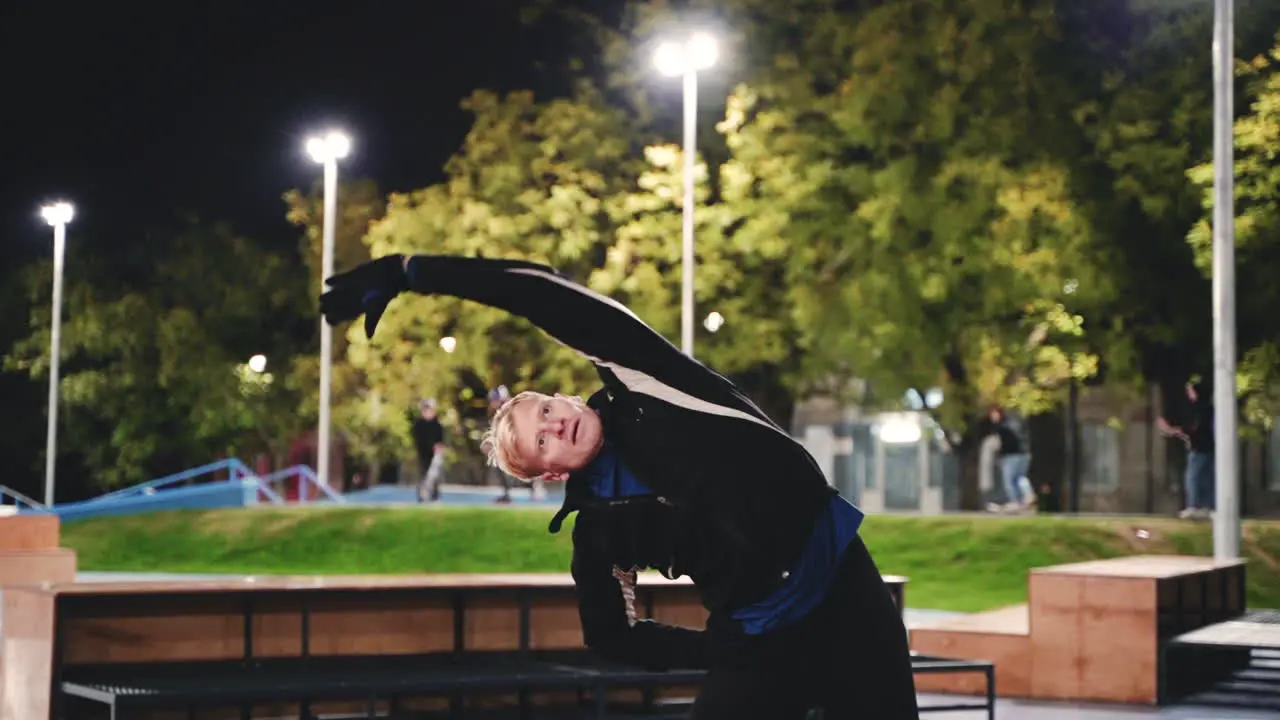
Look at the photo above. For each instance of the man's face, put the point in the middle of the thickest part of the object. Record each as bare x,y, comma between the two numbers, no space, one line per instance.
1191,393
556,435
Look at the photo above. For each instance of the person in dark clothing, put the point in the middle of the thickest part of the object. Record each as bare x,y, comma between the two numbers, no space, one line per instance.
428,438
1015,456
670,467
1198,435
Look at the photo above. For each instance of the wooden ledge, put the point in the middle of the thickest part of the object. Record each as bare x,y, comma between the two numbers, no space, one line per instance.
30,532
1155,567
1012,620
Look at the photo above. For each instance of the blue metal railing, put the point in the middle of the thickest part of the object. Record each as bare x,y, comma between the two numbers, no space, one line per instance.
237,470
19,500
143,495
303,473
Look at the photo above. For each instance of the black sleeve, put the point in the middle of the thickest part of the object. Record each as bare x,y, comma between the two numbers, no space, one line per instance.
602,329
609,625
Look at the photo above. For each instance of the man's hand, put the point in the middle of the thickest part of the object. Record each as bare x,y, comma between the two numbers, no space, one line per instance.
364,290
1172,431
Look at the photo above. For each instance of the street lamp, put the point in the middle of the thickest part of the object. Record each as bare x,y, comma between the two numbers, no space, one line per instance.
57,215
1226,522
685,58
327,150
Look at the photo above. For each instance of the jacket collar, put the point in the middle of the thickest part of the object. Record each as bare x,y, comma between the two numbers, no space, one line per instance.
577,489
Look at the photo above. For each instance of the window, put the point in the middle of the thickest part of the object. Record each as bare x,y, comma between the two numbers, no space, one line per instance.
1099,457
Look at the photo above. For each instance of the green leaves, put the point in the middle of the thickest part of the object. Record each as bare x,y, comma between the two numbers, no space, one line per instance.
1257,235
531,181
153,378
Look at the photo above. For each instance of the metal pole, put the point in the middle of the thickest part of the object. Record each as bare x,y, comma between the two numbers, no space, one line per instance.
55,351
326,333
690,151
1226,523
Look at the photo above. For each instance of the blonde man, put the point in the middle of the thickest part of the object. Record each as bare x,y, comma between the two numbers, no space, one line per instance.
670,467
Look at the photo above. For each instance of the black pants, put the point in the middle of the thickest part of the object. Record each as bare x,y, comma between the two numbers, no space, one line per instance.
850,657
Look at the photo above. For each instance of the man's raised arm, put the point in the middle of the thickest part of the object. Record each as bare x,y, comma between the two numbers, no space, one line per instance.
597,326
602,329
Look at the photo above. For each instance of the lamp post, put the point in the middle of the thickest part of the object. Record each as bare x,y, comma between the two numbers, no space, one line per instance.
1226,522
57,215
686,58
327,150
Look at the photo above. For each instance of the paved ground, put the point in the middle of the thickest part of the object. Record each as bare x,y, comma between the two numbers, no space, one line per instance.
1027,710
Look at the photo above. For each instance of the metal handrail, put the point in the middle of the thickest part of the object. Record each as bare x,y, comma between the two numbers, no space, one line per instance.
234,465
272,495
305,473
20,499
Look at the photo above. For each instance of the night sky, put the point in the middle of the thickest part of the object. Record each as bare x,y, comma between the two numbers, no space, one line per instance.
139,111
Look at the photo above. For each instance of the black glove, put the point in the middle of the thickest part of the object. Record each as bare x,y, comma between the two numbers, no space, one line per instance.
365,289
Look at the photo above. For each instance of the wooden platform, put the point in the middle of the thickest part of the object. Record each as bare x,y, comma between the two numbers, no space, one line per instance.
30,556
999,636
54,627
60,626
29,532
1090,631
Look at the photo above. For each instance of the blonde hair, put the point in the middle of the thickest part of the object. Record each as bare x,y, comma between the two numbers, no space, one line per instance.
499,441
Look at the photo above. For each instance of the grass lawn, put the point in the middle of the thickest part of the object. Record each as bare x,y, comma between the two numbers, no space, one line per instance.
955,563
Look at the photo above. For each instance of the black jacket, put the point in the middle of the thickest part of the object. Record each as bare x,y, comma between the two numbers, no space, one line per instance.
735,496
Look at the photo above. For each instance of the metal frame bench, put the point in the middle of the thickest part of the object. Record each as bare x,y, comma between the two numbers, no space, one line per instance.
926,664
372,679
122,690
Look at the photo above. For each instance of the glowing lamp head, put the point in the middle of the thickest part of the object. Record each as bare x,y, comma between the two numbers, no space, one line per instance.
669,59
703,51
258,363
699,52
59,213
333,146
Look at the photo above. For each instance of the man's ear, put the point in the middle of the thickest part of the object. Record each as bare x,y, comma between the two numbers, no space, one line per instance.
549,476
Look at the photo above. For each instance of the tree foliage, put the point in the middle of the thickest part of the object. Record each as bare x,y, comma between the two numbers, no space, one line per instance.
530,181
1257,234
153,373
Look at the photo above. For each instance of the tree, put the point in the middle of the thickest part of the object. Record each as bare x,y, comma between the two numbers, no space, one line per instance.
157,366
912,203
1149,121
529,182
1257,228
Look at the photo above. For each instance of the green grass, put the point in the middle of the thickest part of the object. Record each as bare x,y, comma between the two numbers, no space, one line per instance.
955,563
